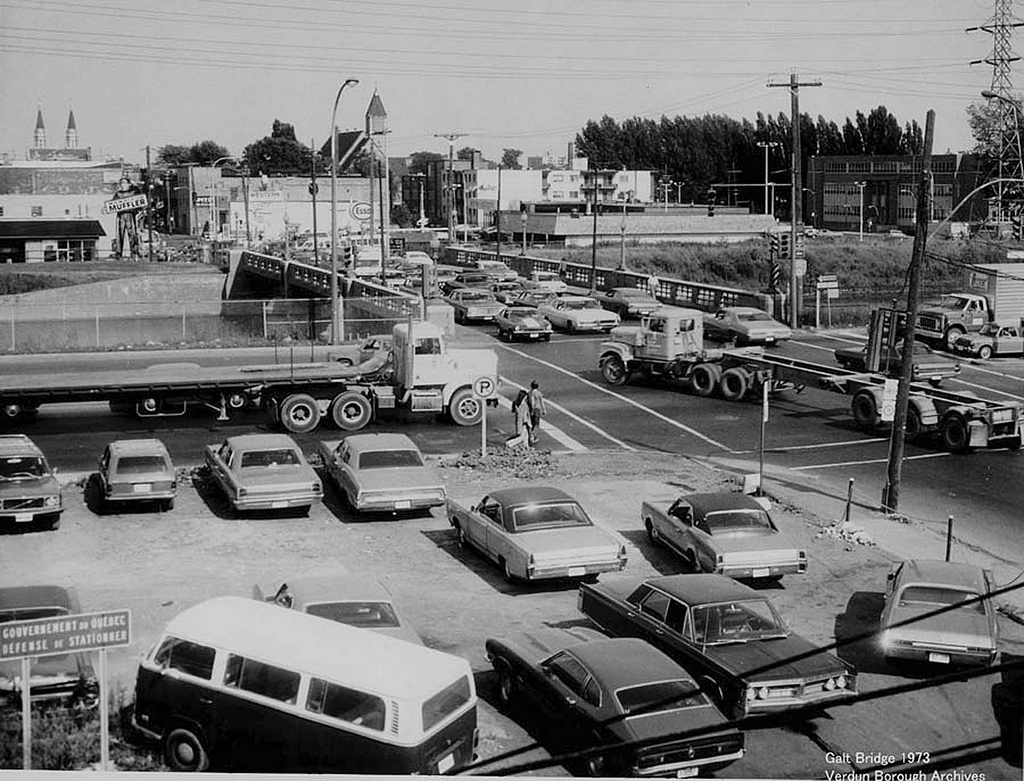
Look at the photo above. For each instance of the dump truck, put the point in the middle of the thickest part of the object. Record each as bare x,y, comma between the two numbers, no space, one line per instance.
992,293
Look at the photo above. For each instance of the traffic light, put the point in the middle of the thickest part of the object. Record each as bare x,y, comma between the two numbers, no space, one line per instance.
784,247
712,197
346,255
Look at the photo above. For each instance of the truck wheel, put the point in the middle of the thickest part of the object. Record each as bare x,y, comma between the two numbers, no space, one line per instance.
985,352
734,384
955,433
184,752
954,333
299,413
865,413
465,408
614,370
351,411
236,401
913,427
703,380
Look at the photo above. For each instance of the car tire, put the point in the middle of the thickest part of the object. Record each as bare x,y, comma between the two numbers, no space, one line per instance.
652,533
351,411
956,436
465,408
184,751
54,524
460,536
614,370
506,571
951,336
506,686
546,338
299,413
166,505
865,411
985,352
912,430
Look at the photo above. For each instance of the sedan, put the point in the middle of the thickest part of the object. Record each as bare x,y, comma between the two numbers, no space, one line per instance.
728,533
263,472
381,473
522,322
745,325
473,304
136,470
728,634
927,365
992,339
629,302
347,599
578,313
58,678
355,353
966,635
583,695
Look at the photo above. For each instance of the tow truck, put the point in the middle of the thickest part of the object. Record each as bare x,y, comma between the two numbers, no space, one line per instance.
420,374
669,344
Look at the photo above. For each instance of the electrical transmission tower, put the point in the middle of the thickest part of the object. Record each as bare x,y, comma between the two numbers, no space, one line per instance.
1007,109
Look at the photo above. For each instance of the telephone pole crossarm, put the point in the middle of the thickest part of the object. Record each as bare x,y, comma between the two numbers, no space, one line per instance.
449,190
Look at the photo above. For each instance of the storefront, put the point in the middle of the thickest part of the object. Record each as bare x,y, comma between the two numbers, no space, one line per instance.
39,241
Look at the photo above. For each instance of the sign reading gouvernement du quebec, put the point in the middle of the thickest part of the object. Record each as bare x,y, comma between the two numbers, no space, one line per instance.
64,634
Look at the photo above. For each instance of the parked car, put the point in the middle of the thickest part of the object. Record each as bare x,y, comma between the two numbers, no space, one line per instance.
722,631
578,313
549,281
360,351
263,472
471,304
496,268
347,599
967,635
728,533
473,279
29,491
532,298
137,470
928,366
992,339
417,258
381,473
522,322
582,695
58,678
745,325
629,302
537,533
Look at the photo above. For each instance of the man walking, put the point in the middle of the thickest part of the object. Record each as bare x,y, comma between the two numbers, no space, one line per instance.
537,410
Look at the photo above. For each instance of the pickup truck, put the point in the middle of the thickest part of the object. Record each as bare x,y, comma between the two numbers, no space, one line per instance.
927,365
727,634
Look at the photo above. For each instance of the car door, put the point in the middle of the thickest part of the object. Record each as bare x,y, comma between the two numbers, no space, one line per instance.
677,527
343,471
564,699
499,539
222,465
477,520
1009,342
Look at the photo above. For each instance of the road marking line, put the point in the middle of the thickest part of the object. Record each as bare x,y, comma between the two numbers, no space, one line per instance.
555,432
994,373
987,390
620,397
870,461
815,447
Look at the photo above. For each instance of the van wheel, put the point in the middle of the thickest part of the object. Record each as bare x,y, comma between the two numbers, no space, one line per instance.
184,752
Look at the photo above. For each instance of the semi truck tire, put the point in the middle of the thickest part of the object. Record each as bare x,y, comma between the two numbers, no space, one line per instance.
465,408
952,334
912,429
734,384
956,437
614,370
299,413
703,379
351,411
865,411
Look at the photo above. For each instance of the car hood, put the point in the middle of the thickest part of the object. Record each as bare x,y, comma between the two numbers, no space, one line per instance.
741,658
402,633
650,726
955,628
529,321
34,486
575,539
398,479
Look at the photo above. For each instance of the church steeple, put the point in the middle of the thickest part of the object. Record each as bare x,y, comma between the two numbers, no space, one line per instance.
40,134
71,134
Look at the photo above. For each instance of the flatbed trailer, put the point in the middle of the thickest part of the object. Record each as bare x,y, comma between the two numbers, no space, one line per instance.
669,344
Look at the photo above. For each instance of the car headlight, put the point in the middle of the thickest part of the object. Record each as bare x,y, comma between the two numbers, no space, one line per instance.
751,694
762,693
841,682
51,501
830,684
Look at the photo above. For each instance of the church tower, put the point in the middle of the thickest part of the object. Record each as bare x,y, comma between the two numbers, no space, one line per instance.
40,135
71,134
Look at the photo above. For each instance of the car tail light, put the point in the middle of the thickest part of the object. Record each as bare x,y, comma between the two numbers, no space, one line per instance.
841,682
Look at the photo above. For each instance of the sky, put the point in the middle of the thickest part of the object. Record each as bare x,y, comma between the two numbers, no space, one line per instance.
527,74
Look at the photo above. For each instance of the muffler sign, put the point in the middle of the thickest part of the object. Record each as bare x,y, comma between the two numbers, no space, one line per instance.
125,204
64,634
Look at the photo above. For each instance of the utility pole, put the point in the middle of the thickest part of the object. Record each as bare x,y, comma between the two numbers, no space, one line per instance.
891,492
449,190
312,192
797,266
149,204
497,220
766,145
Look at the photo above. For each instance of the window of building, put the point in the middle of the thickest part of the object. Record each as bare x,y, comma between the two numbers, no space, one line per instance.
574,195
859,167
884,167
74,250
556,177
37,211
1,211
835,168
557,193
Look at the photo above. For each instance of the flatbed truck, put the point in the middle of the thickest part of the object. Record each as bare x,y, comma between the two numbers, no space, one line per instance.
669,344
420,373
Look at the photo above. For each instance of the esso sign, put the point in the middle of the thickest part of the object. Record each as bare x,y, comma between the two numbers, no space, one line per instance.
360,211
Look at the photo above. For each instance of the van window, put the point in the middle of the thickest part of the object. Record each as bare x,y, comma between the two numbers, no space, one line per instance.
259,678
338,702
189,658
445,702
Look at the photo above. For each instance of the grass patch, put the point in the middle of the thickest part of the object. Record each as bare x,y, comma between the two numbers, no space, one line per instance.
44,276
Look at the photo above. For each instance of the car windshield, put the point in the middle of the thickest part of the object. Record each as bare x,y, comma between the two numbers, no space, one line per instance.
751,317
737,622
271,458
13,467
951,302
631,293
989,329
367,615
725,521
582,303
386,459
134,465
938,596
552,515
661,696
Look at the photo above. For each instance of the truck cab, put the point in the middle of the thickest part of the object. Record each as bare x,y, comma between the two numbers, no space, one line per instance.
665,334
952,316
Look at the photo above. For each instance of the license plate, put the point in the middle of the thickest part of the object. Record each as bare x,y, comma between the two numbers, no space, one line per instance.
534,336
23,517
403,504
764,572
142,488
446,763
769,339
577,572
938,658
278,505
686,772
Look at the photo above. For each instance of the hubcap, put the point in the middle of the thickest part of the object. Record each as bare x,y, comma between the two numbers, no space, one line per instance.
185,753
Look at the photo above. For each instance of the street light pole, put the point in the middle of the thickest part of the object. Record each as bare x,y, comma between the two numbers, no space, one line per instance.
766,145
334,211
861,185
622,239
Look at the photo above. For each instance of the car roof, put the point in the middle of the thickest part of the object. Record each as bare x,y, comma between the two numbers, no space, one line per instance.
39,596
626,661
677,311
527,494
574,298
361,443
333,588
945,573
259,441
705,503
134,446
307,643
18,445
703,588
739,309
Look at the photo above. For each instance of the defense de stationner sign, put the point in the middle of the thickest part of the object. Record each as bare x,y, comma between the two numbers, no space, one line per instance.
65,634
